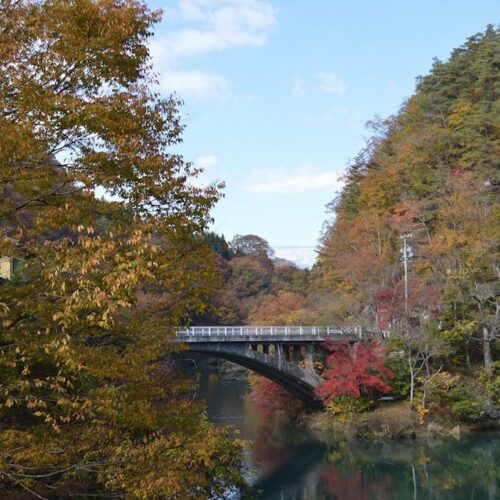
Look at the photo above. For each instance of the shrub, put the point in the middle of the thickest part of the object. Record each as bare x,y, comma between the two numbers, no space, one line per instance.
446,395
398,365
491,383
344,406
464,405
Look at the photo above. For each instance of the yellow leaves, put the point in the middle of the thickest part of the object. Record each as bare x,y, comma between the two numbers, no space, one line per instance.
423,459
449,482
459,110
422,413
447,241
86,340
380,189
334,456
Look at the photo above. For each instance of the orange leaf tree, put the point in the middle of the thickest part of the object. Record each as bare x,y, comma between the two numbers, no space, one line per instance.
88,405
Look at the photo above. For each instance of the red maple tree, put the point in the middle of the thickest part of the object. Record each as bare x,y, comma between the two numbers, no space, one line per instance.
353,370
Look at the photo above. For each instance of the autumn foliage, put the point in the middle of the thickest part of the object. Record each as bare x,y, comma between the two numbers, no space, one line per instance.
90,402
426,184
354,370
345,486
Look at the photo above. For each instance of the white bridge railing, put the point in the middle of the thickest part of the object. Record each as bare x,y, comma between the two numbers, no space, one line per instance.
267,331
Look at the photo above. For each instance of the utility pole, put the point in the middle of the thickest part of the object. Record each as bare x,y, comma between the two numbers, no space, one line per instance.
405,237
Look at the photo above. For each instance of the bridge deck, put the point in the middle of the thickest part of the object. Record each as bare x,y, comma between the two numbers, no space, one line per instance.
266,333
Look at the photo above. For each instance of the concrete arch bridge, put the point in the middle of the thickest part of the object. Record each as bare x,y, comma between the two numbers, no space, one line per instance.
284,354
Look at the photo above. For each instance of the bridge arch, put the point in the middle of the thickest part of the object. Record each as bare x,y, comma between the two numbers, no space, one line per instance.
301,382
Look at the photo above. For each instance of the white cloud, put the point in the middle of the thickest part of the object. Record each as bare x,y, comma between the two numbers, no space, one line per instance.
206,161
298,88
221,24
208,26
305,178
328,82
193,83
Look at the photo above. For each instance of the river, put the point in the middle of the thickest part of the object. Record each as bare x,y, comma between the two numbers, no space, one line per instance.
286,463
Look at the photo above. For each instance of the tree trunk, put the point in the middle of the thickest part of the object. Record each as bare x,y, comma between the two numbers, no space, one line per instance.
412,378
488,360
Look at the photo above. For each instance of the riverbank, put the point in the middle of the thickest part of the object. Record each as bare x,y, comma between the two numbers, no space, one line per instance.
395,420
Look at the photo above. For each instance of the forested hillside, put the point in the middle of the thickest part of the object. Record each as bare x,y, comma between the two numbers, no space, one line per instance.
257,287
428,175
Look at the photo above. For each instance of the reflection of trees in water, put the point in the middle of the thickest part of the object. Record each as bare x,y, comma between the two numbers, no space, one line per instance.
353,486
274,439
294,468
467,469
269,449
296,476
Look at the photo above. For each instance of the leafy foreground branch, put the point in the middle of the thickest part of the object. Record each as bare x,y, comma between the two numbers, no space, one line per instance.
90,403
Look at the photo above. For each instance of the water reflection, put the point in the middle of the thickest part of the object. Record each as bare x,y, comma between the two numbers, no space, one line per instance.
293,473
288,464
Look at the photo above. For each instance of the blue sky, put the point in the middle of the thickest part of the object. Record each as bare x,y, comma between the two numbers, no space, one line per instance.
277,94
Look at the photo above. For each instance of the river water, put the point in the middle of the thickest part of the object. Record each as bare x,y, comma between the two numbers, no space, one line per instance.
286,463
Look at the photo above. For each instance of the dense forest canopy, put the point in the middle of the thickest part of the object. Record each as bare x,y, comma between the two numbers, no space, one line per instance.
256,286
